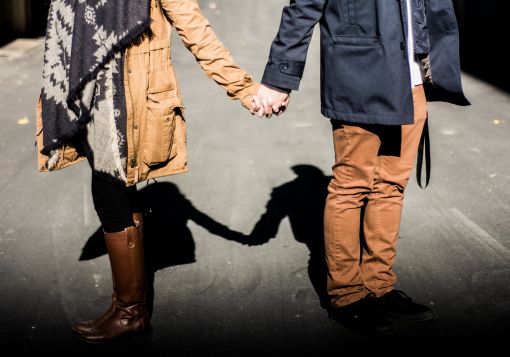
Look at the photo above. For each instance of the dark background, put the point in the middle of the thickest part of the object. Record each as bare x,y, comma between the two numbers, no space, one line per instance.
22,18
483,26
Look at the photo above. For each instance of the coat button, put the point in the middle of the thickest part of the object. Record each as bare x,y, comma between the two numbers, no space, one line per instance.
402,46
135,126
284,65
133,162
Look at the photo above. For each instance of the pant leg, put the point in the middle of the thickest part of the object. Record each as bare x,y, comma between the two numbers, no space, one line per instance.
356,150
114,203
382,216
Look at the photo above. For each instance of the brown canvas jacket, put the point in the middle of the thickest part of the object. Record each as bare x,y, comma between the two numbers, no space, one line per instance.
156,130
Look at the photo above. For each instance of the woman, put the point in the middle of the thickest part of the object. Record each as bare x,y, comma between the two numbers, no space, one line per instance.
110,96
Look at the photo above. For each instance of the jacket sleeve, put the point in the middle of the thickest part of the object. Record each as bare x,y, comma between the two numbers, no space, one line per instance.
214,58
287,57
444,55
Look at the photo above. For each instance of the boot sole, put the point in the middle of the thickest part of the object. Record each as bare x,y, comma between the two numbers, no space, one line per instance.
126,336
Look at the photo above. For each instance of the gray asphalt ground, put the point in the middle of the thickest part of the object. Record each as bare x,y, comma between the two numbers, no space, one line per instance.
213,294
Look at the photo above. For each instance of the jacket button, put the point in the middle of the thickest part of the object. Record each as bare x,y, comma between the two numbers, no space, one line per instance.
402,46
130,71
133,162
284,65
136,126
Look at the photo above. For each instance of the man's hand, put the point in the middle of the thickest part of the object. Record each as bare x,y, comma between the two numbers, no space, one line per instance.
269,101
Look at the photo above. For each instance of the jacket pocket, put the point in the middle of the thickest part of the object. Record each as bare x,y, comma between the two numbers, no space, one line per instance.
361,81
159,132
357,40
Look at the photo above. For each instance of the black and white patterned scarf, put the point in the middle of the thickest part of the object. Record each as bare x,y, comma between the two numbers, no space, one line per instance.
83,74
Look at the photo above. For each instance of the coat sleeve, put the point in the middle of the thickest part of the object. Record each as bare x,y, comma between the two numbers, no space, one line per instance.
214,58
444,54
287,57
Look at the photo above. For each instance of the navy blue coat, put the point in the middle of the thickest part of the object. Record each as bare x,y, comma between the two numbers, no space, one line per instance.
365,76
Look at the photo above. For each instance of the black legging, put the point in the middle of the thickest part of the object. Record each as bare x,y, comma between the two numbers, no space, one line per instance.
114,203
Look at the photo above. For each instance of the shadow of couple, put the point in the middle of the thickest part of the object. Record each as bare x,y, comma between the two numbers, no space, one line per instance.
168,241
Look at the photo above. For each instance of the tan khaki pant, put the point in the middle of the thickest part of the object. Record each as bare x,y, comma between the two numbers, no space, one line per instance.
364,204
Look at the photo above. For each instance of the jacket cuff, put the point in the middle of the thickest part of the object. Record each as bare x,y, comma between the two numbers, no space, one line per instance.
247,94
279,89
283,74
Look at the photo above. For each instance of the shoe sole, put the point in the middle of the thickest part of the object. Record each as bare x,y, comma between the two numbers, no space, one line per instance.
397,317
361,332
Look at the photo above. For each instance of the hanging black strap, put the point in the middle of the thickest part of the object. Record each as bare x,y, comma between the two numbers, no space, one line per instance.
424,146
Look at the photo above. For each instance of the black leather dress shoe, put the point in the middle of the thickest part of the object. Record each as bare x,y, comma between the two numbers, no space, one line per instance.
397,305
361,318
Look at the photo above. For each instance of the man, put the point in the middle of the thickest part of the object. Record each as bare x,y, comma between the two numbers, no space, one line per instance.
381,61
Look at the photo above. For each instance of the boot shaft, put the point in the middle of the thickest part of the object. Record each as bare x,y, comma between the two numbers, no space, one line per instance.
127,260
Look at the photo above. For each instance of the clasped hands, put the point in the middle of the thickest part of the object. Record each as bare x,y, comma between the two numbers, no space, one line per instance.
269,101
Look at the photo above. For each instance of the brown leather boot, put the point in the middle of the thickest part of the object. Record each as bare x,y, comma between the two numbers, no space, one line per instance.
86,326
128,313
